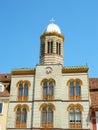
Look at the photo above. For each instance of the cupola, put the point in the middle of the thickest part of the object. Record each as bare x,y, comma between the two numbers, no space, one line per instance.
51,45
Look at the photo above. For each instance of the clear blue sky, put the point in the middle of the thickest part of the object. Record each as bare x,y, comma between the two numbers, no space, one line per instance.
23,21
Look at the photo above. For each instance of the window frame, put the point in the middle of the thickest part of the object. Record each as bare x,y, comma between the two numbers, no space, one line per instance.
23,96
48,91
47,123
76,124
75,96
21,124
2,108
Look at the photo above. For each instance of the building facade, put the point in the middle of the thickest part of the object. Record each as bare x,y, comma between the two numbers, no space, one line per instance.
94,103
50,96
5,80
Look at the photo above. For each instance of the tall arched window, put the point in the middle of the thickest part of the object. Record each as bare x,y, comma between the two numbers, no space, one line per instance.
47,116
72,115
78,89
78,115
51,85
21,116
71,89
75,90
50,115
44,115
20,89
24,115
45,87
48,89
18,116
23,88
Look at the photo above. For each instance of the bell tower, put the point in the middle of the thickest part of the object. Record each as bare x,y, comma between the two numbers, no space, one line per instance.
51,45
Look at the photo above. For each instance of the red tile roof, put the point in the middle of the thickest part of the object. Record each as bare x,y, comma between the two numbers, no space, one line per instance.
5,79
93,84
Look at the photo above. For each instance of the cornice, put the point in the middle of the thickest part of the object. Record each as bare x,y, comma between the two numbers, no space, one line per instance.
23,71
52,34
75,69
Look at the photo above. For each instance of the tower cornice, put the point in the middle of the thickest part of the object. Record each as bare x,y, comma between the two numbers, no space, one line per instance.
52,34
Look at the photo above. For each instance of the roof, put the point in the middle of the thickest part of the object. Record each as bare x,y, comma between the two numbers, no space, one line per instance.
93,84
23,71
52,28
5,77
75,69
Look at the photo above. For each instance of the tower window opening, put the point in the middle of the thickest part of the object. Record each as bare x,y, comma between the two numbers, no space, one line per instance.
50,47
58,48
42,49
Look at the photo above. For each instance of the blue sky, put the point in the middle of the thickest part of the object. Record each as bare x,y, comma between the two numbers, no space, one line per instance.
23,21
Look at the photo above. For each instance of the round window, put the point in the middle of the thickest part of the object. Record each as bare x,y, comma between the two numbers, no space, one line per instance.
1,88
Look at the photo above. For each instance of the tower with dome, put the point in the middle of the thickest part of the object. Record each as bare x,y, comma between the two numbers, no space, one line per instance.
50,96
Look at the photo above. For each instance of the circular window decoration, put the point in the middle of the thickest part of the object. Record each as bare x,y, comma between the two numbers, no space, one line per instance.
48,70
1,88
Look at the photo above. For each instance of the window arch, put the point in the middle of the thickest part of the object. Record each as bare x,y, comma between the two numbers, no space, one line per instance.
47,111
48,89
75,115
21,115
74,89
23,87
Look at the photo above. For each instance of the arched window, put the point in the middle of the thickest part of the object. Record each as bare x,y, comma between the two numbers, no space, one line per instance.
78,89
75,90
21,116
75,116
44,115
51,85
48,89
78,115
50,115
26,89
20,89
72,88
47,116
45,88
18,116
72,115
23,88
24,115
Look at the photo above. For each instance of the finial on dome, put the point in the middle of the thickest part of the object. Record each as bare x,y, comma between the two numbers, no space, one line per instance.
52,20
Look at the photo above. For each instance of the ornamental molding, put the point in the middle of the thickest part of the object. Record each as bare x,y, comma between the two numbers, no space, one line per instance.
52,34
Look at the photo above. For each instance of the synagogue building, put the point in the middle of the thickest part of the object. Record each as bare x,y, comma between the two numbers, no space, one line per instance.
50,96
